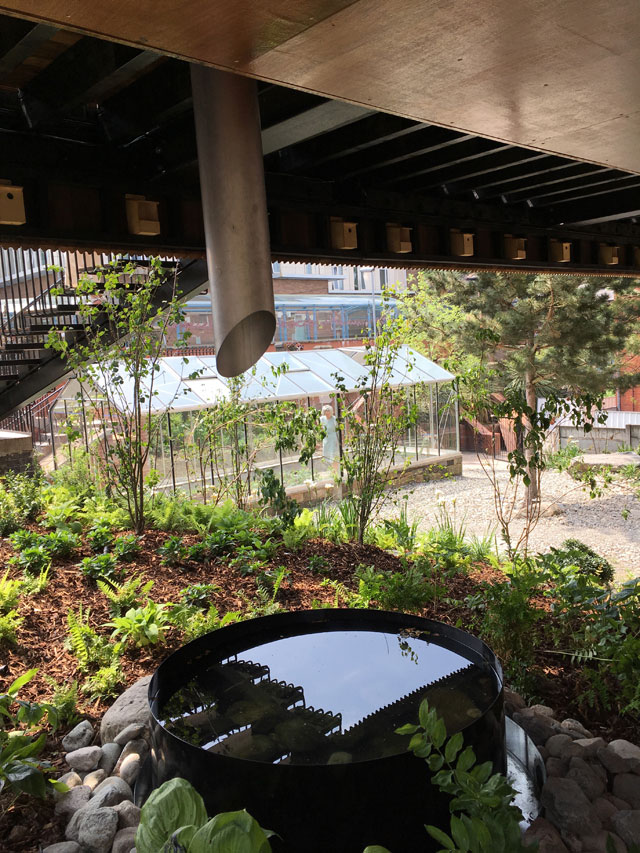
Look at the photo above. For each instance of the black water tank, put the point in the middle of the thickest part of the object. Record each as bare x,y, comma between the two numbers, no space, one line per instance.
293,717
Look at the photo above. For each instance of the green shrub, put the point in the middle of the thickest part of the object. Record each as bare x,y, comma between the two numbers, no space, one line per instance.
10,518
24,538
198,594
26,490
33,560
34,585
141,626
319,564
561,460
100,537
61,544
173,551
105,682
64,699
581,556
91,650
125,595
103,566
127,548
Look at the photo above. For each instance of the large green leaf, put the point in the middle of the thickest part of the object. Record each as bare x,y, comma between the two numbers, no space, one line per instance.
173,805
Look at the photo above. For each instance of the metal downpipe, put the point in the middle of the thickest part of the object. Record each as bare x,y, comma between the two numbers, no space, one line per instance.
235,216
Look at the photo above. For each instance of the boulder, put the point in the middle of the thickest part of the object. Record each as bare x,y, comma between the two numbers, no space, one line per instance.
73,800
512,702
598,843
626,786
110,792
620,756
626,824
587,778
539,727
97,831
130,708
124,840
547,836
71,780
63,847
135,748
94,778
557,745
129,814
133,731
557,766
81,735
586,747
574,726
568,808
110,755
605,810
84,759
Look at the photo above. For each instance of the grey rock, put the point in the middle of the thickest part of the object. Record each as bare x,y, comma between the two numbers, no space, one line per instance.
97,831
544,752
543,710
136,747
131,707
111,794
577,727
130,768
129,814
591,782
620,805
125,839
620,756
598,843
133,731
73,800
557,766
63,847
71,780
512,702
94,778
72,832
557,745
627,825
539,728
110,755
84,759
568,808
586,747
605,810
546,835
79,736
626,786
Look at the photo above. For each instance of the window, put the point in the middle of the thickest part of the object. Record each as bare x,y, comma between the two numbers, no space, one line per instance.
384,278
308,268
275,267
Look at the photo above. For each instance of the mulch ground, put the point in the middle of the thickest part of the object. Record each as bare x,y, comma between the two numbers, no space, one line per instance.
26,823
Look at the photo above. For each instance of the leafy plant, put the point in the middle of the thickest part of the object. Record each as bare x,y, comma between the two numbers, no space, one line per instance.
319,564
9,624
64,700
198,594
106,681
9,593
32,560
404,532
20,768
61,544
91,650
10,517
125,595
24,538
33,585
483,817
104,566
26,490
194,621
141,626
127,548
173,551
581,556
562,458
100,537
274,496
174,818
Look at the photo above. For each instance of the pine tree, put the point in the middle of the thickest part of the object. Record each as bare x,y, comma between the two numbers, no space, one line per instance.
546,333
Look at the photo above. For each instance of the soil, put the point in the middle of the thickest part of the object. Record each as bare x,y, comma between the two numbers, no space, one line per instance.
25,823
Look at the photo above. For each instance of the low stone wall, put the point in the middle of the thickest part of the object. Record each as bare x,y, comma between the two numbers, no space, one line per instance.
431,468
16,451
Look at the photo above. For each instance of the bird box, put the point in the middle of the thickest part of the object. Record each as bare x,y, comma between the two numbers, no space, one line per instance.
142,216
398,238
609,255
560,252
461,243
344,235
11,204
515,248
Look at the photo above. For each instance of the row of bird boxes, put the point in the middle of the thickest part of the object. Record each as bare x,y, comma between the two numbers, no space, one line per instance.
142,215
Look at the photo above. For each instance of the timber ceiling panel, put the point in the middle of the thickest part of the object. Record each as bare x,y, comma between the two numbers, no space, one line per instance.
563,77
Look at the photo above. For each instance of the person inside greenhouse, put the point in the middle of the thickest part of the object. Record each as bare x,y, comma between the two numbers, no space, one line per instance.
330,449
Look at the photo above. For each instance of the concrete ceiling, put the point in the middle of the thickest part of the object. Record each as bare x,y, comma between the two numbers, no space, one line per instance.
562,77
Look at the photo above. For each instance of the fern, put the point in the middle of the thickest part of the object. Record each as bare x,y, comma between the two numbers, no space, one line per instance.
9,593
124,595
77,637
87,645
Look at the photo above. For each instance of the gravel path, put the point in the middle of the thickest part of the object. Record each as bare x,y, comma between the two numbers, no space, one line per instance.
599,521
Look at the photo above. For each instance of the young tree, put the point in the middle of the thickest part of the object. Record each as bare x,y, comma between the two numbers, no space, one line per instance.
127,311
546,335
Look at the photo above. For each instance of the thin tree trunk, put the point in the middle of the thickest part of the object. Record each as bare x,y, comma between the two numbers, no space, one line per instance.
533,491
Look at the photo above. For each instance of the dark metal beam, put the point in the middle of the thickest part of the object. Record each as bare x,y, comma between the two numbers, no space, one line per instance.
518,170
604,207
19,40
311,123
516,193
585,190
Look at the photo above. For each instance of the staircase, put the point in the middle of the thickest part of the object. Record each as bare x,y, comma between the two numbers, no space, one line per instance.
38,292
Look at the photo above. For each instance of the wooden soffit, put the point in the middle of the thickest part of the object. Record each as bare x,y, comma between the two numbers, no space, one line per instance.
561,77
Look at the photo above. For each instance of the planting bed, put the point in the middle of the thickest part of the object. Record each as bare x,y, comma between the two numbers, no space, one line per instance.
25,823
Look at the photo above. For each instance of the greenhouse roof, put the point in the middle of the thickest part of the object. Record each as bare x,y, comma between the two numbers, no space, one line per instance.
185,384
